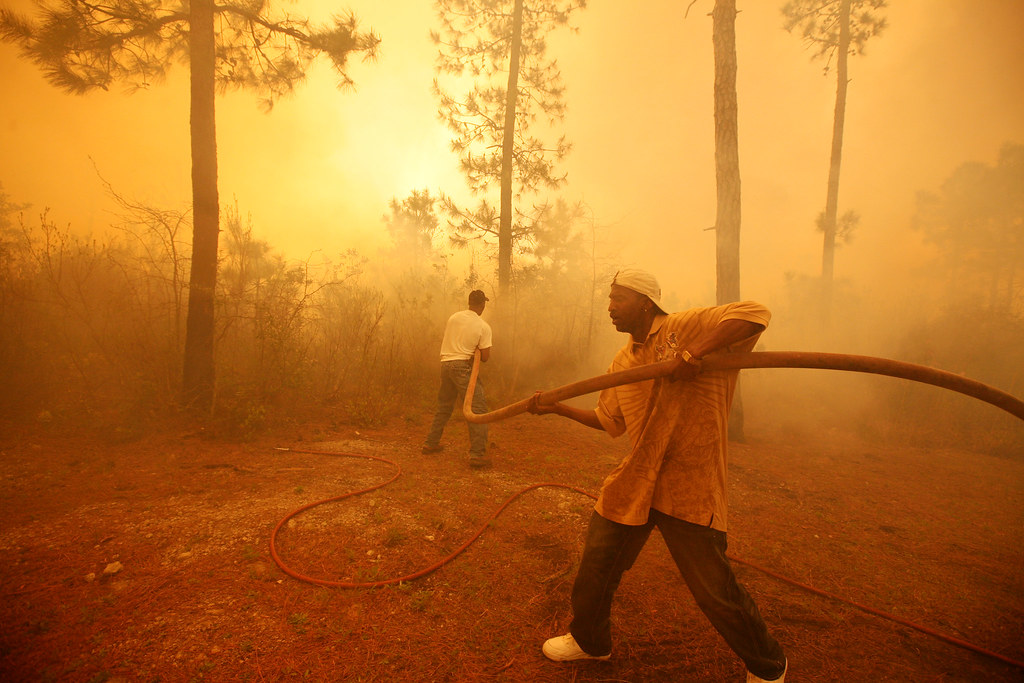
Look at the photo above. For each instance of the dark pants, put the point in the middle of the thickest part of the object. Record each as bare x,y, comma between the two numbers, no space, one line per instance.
454,381
699,552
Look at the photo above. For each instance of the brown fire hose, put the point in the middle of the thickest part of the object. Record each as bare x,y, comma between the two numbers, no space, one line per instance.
759,359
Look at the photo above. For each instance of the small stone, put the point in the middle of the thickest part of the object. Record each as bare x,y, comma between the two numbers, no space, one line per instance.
90,577
113,568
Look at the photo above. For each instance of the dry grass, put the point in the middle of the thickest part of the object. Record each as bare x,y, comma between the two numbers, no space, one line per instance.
935,536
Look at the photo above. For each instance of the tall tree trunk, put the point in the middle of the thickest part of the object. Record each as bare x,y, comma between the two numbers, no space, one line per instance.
832,197
727,158
507,148
727,175
198,380
591,313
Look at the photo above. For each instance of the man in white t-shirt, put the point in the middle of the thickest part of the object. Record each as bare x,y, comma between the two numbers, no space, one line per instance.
464,333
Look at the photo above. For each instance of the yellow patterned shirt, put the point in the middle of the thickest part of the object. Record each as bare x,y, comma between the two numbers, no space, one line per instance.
678,430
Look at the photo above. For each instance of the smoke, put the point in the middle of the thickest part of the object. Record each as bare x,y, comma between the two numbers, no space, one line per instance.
937,89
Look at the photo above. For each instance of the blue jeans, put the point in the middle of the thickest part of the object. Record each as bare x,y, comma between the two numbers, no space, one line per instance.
699,553
454,382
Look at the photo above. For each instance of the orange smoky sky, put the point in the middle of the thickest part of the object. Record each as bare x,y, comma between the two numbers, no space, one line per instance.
941,86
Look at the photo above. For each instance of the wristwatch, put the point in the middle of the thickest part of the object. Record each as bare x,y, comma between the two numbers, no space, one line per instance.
690,358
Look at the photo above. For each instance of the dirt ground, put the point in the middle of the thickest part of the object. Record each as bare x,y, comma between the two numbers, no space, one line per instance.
148,559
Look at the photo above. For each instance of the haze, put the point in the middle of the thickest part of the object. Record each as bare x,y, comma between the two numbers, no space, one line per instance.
940,87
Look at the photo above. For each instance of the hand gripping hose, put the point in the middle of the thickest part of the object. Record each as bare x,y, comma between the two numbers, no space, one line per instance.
756,359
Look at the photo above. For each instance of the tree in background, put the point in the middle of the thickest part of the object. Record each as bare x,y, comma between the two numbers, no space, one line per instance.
8,231
8,208
160,239
413,223
487,41
844,228
835,29
727,174
976,219
559,291
82,46
727,158
14,287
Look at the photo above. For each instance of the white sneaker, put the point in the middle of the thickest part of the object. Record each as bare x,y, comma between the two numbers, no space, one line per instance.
751,678
565,649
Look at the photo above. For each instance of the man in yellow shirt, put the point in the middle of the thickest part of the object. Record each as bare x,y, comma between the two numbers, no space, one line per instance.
674,476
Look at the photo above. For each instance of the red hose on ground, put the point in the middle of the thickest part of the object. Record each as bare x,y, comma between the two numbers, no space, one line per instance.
437,565
885,615
826,361
409,577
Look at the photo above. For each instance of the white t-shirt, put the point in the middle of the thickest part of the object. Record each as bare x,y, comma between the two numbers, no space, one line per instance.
463,334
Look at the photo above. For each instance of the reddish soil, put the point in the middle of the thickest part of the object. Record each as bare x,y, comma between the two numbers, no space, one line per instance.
148,559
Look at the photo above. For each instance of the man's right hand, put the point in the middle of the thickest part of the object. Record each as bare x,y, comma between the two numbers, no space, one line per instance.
587,418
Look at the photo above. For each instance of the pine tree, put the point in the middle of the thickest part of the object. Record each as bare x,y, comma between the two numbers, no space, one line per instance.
727,160
501,45
83,46
835,29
